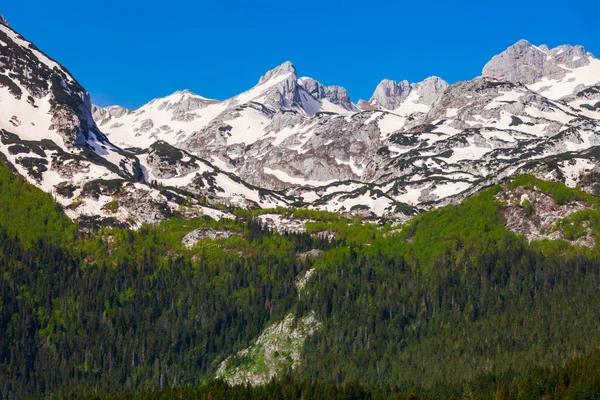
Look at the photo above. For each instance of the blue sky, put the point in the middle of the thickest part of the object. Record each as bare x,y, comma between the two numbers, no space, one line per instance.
130,51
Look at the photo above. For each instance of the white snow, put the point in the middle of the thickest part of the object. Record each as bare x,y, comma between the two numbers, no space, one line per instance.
378,205
411,105
24,43
248,127
555,89
373,117
573,169
390,123
285,177
451,112
30,123
445,189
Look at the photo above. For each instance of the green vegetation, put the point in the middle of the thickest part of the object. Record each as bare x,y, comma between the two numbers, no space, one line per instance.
166,152
31,215
12,87
589,107
559,192
449,304
577,379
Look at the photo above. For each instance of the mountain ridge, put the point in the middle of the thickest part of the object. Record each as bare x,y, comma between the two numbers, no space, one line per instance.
290,140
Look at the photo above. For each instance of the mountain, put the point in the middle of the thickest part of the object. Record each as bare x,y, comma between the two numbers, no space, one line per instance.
48,135
554,73
422,144
291,140
334,94
406,98
438,239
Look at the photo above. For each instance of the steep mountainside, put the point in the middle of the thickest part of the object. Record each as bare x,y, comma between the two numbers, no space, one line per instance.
421,144
48,135
555,73
149,252
291,141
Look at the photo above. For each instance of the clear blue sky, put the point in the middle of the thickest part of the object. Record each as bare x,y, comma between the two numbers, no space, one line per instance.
130,51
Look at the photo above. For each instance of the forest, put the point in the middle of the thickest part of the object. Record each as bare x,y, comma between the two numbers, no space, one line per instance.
449,305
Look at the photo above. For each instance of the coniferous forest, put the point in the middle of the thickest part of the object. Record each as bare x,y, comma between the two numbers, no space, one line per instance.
449,305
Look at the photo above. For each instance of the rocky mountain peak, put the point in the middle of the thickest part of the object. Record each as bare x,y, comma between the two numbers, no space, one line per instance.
430,90
335,94
281,70
3,21
523,62
391,95
103,114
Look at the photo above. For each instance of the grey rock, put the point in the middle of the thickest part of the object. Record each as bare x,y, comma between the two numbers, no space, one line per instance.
283,69
3,21
335,94
391,94
103,115
528,64
197,235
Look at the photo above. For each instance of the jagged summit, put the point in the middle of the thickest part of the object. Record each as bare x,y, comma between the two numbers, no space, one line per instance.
281,70
554,72
3,21
391,95
297,141
335,94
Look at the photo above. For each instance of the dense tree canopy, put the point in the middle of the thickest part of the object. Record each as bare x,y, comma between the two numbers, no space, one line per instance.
451,304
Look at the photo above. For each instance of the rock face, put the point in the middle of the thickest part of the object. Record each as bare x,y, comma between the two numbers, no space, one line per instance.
391,95
103,115
335,94
523,62
536,215
529,64
3,21
197,235
278,348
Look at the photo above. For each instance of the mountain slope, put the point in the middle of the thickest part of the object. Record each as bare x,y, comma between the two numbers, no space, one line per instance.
422,144
293,141
432,304
48,135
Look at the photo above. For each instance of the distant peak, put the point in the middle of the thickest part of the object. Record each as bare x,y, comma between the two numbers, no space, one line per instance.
283,69
185,92
433,79
3,21
189,93
526,63
523,43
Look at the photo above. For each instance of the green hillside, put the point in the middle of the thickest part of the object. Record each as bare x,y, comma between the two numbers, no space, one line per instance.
450,304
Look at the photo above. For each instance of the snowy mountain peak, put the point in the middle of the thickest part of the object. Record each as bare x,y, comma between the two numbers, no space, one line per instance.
430,90
554,72
392,95
423,144
3,21
181,95
281,70
104,114
335,94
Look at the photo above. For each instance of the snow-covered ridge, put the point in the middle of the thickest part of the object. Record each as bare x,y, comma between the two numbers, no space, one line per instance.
291,141
555,73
